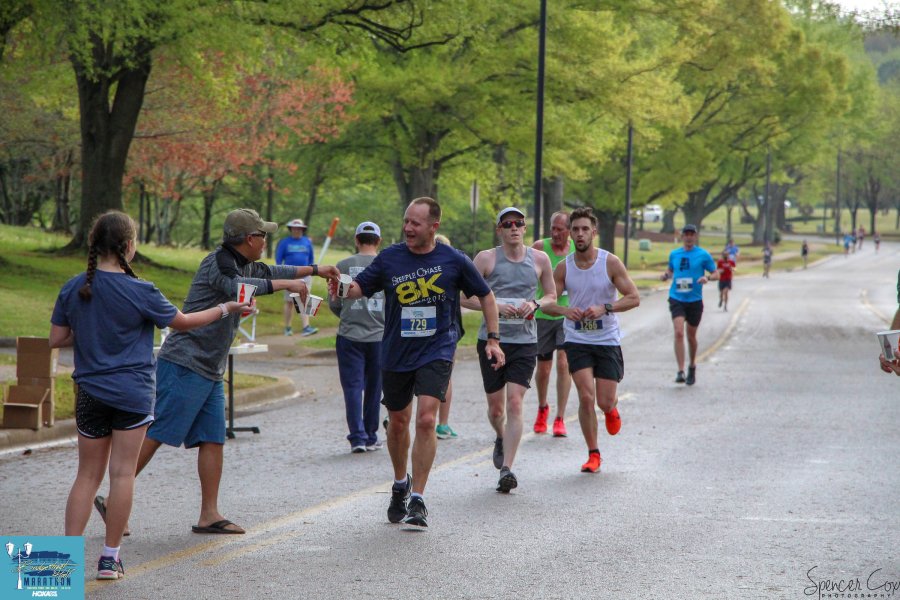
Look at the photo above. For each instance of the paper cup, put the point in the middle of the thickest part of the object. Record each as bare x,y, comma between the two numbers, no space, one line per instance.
296,299
889,341
245,293
343,287
312,305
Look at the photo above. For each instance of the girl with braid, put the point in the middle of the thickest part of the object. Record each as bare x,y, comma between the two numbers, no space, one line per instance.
108,315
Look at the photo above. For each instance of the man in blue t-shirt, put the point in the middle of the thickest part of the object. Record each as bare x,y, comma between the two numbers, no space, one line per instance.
688,268
296,251
421,281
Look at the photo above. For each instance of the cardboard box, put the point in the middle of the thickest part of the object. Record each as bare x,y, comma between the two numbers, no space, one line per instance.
48,408
24,406
35,358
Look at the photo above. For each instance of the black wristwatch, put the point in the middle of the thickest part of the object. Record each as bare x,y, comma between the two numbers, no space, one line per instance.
609,308
315,269
493,335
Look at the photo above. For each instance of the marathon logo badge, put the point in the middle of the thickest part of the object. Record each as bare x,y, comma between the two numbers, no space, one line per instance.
43,567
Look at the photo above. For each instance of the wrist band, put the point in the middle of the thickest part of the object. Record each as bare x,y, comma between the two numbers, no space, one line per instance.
315,269
224,311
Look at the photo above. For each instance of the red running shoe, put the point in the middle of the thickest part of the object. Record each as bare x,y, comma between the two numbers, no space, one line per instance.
593,463
613,421
540,423
559,427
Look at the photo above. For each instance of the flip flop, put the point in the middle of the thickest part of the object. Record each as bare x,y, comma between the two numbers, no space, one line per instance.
100,505
217,527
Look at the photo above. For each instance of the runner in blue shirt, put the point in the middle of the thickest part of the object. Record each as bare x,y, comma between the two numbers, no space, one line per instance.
688,268
296,251
421,281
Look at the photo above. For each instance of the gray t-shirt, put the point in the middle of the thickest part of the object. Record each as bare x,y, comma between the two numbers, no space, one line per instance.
513,283
205,350
362,320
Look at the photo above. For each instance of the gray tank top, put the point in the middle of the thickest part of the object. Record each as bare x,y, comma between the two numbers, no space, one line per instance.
513,283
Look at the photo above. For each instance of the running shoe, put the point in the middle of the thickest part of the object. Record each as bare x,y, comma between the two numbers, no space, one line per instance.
613,421
416,515
507,481
540,423
680,377
360,449
110,568
309,330
378,445
397,508
593,463
498,453
559,428
445,432
692,376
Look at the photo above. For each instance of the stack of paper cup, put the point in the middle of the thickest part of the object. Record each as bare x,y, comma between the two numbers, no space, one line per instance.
312,305
889,341
245,293
343,287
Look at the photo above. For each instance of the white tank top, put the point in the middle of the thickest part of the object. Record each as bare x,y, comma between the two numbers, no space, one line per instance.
590,287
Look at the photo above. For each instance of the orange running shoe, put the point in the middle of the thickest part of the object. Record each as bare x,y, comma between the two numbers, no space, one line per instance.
559,427
540,423
593,463
613,421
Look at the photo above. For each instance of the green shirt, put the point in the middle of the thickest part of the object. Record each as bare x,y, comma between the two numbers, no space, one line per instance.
554,260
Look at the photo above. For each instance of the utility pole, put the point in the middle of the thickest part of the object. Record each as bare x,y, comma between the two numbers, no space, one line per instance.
539,137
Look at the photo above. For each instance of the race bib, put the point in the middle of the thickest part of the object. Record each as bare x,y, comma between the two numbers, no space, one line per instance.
517,302
684,284
376,304
589,325
418,321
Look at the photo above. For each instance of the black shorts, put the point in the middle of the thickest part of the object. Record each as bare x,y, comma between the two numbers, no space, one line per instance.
550,337
606,361
519,367
691,311
95,419
724,284
431,379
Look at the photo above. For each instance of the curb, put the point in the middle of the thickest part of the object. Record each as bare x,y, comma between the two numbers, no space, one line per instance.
283,388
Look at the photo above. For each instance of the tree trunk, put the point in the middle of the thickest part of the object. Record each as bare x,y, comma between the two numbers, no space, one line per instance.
63,191
317,181
106,131
606,229
552,192
668,220
209,198
415,182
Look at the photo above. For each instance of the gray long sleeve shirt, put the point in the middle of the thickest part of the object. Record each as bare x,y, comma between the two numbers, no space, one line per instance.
205,350
362,320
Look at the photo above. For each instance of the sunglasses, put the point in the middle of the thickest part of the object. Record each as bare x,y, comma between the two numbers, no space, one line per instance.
520,223
262,235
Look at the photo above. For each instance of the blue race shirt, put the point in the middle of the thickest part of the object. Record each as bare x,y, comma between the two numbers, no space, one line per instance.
113,332
687,267
295,252
421,302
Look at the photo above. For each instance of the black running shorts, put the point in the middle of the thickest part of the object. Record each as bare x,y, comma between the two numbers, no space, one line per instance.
95,419
519,365
606,361
431,379
691,311
724,283
550,337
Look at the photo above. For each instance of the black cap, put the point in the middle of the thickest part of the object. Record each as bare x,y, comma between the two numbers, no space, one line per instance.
689,227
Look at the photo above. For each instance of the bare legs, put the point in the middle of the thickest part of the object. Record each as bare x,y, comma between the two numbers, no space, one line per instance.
505,416
423,448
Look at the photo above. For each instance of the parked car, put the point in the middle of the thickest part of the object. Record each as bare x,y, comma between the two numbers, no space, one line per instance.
653,213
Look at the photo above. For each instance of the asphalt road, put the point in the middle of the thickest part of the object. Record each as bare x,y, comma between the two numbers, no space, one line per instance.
775,476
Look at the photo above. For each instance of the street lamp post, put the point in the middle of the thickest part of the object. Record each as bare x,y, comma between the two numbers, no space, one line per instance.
629,160
539,137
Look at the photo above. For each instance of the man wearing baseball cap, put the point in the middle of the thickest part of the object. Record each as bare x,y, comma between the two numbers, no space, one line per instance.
296,250
358,346
688,268
190,397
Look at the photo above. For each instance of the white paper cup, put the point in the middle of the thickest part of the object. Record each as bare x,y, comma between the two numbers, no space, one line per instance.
245,293
343,287
889,341
296,298
312,305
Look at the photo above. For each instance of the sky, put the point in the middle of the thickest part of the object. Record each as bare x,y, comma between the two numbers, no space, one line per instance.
863,5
